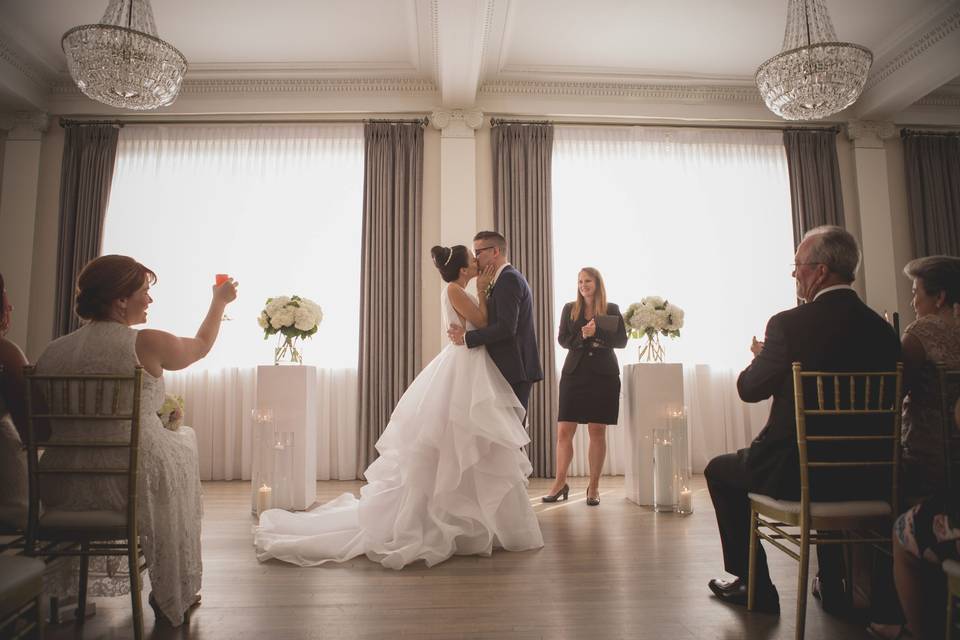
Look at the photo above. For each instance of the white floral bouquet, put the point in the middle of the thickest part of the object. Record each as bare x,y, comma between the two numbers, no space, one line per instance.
653,315
293,316
171,412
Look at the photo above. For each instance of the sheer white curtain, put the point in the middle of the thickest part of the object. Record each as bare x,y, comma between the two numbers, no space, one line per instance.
698,216
278,208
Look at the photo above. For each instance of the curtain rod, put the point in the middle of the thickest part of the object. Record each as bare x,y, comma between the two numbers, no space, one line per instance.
573,123
74,122
928,132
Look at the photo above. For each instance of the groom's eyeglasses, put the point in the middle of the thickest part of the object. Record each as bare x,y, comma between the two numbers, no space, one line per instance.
482,249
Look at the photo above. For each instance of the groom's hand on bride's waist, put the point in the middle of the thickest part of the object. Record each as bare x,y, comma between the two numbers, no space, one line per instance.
455,333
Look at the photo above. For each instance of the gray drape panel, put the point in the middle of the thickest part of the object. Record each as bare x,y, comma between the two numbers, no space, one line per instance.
390,274
522,166
86,172
814,170
932,163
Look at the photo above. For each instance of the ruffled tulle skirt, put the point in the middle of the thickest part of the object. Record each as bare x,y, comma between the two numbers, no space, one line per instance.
451,479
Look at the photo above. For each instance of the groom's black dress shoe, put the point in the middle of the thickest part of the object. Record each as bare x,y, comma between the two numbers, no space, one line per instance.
735,592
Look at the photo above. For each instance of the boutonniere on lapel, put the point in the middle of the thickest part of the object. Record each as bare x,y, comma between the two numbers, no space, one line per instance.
489,288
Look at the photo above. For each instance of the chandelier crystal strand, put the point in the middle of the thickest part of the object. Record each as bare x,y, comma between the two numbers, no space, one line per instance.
813,76
121,61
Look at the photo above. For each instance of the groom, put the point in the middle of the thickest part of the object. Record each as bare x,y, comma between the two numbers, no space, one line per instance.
509,335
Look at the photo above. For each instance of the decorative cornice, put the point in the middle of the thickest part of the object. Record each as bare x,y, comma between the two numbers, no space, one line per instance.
435,35
12,57
939,100
659,93
456,123
858,130
485,31
390,86
933,35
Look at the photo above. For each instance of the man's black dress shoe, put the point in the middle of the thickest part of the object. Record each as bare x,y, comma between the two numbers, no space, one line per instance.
735,592
833,597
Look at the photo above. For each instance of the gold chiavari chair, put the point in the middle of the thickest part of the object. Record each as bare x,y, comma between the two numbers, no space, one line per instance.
21,583
103,401
855,413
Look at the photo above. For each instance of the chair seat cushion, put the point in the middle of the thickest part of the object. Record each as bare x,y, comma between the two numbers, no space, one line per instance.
851,508
83,520
21,580
951,568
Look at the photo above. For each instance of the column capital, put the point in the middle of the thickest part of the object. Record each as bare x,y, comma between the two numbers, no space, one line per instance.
870,133
24,125
457,123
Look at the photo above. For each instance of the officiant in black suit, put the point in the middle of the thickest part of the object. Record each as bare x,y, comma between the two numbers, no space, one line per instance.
510,336
590,329
833,331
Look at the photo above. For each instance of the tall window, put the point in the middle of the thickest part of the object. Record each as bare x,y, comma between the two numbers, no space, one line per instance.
700,217
276,207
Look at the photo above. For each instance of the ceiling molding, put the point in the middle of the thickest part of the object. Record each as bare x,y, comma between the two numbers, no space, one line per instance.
633,91
12,56
940,99
435,37
382,86
930,37
575,73
303,70
485,31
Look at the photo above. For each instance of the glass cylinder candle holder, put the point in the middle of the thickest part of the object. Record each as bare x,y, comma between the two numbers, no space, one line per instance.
262,463
664,499
679,433
283,444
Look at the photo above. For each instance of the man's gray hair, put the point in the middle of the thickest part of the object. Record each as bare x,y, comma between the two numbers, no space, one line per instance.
835,248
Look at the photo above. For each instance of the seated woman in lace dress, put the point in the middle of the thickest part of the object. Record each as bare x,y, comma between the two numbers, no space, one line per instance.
933,339
924,537
113,295
13,461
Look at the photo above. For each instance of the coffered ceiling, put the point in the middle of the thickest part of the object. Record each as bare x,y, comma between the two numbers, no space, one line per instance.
631,58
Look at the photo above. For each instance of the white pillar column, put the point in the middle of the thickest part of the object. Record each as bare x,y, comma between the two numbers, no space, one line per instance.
458,178
18,212
458,174
879,270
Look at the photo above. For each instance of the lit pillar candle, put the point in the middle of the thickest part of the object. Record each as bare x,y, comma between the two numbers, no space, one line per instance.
264,497
685,504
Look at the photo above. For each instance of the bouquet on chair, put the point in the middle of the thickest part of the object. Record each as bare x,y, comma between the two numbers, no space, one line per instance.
171,412
652,317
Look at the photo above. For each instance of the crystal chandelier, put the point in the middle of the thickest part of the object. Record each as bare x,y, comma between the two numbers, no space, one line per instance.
814,76
121,61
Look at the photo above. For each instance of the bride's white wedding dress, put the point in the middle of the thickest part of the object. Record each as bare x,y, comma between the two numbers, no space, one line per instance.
451,477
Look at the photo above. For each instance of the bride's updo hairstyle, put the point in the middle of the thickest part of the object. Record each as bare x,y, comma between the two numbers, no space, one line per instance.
106,279
449,261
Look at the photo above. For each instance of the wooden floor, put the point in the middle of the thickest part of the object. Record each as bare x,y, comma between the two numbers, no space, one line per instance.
613,571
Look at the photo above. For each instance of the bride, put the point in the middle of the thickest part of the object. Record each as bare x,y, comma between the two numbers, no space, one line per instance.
451,477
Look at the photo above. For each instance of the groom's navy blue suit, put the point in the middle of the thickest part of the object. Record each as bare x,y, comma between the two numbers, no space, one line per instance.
509,335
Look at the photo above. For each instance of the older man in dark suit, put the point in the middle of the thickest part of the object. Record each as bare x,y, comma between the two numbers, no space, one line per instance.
510,336
833,331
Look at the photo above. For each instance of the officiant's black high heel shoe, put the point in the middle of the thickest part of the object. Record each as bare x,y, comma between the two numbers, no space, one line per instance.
562,494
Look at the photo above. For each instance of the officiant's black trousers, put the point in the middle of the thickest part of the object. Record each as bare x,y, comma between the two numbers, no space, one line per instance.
728,481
